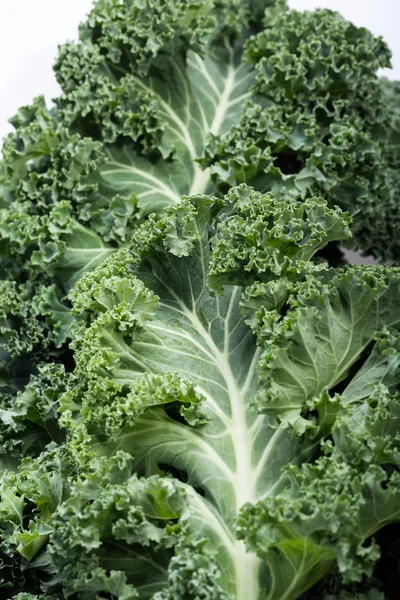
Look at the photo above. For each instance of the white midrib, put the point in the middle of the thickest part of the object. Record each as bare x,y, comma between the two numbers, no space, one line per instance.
202,177
247,565
244,480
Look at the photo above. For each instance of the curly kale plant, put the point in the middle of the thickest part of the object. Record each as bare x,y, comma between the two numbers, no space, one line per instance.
193,404
235,445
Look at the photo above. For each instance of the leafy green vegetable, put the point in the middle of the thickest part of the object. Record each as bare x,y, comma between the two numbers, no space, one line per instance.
199,438
224,424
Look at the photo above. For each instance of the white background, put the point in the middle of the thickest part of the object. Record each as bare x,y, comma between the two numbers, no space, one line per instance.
31,30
